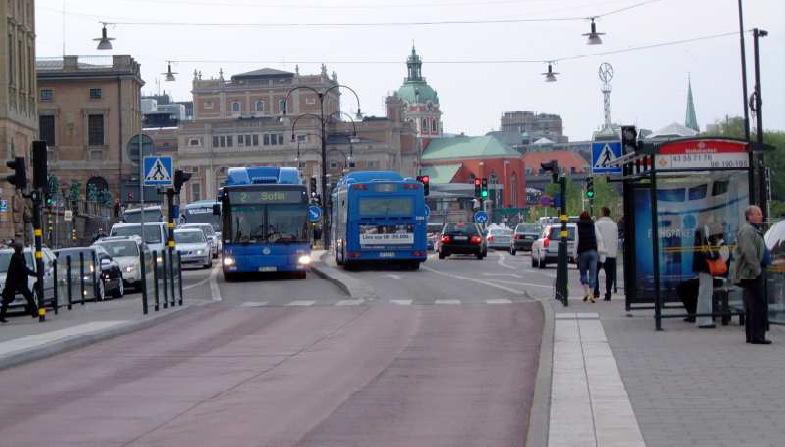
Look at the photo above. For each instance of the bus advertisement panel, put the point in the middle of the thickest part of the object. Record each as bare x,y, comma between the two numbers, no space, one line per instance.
379,217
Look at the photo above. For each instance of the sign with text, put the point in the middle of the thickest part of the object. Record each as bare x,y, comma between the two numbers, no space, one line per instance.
702,154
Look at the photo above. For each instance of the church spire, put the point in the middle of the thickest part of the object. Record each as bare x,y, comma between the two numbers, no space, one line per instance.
690,119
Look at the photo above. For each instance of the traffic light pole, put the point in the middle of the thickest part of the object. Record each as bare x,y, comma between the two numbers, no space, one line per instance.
561,271
170,225
39,256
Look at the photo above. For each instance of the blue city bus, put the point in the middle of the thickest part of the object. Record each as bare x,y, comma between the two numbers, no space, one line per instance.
379,217
264,211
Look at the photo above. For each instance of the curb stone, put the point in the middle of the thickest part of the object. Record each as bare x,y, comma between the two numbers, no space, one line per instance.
539,416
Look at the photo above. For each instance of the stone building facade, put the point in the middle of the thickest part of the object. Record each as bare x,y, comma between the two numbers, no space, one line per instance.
18,116
88,111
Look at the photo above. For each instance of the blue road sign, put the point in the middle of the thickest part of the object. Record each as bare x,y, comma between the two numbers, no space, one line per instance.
158,171
427,211
3,206
602,154
481,217
557,201
314,213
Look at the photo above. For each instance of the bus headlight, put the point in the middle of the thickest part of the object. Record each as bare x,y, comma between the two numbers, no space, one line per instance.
228,261
304,260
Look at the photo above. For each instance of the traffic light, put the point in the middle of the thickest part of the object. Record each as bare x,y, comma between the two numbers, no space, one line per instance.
40,177
313,186
484,193
590,188
629,139
180,177
477,187
552,167
426,183
19,177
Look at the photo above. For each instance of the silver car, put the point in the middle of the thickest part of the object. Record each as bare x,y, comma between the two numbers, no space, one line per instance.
49,279
499,238
193,247
212,236
546,248
125,251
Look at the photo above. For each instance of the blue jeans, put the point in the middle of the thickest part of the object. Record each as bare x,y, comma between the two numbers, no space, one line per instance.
587,265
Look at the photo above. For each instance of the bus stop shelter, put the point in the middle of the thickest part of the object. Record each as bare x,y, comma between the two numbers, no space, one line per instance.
672,190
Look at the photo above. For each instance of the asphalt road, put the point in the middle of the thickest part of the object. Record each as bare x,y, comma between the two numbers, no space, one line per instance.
445,356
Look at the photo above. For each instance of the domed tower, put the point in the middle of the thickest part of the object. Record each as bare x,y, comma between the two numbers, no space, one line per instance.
420,101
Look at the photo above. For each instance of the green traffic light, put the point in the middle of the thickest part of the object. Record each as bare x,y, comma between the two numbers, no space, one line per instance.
590,194
484,194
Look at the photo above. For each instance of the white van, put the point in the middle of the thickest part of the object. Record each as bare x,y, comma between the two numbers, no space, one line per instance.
155,233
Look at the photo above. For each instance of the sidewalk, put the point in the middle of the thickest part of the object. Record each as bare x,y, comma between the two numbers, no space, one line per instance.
686,386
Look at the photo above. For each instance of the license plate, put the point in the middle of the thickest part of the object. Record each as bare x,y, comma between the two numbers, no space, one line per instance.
268,269
461,238
386,254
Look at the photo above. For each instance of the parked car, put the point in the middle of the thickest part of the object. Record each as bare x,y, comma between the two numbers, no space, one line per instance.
193,247
546,248
212,236
499,238
524,236
49,279
109,278
125,251
462,238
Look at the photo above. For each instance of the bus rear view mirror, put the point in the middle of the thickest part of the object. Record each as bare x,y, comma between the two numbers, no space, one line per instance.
216,210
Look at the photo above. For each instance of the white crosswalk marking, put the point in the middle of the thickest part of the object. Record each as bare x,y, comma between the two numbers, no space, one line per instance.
349,302
498,301
401,302
447,301
254,304
302,303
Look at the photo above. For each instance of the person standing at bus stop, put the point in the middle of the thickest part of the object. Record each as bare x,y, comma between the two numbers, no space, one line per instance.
590,245
749,256
16,281
610,238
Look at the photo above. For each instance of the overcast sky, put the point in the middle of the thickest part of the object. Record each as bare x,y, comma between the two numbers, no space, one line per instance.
649,86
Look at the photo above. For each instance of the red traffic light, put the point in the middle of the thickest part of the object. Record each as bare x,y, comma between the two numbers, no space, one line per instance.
425,179
477,181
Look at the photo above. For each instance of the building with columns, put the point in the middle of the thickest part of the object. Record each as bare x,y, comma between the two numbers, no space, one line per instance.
18,115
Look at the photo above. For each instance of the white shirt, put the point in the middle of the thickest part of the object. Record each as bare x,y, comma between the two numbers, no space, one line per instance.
610,235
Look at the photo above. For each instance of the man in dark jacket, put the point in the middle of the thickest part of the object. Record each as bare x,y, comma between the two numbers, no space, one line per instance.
16,281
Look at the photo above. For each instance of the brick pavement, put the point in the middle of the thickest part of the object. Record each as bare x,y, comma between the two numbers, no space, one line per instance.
696,387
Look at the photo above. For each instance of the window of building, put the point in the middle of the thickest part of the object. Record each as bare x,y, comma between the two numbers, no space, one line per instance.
255,138
260,106
514,190
267,139
196,192
247,140
310,101
235,107
46,129
229,140
424,125
333,164
240,140
208,105
46,94
96,93
95,130
281,105
216,141
194,142
302,138
11,59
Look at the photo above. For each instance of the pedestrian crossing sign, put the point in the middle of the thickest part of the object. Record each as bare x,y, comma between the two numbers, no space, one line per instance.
158,171
603,154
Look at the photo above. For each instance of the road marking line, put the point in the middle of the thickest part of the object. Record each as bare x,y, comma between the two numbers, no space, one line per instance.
588,398
215,291
301,303
479,281
498,301
512,275
528,284
32,341
198,283
254,304
447,302
350,302
390,275
401,302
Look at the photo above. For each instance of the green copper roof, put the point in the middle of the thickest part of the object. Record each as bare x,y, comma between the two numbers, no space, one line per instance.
691,120
467,147
418,93
441,174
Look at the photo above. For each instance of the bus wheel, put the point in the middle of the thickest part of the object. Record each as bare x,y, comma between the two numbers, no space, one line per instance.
229,277
414,265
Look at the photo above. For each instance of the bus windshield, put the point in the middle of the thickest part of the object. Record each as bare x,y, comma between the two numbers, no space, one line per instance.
279,223
386,206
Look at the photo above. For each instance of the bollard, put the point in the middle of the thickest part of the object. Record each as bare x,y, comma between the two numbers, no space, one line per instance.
155,279
68,280
143,276
166,284
171,274
180,275
95,284
57,285
81,277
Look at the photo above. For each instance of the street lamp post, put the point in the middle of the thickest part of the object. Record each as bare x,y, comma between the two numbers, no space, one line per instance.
321,95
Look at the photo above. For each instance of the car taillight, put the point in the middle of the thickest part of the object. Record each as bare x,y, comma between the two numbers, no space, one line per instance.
546,242
519,236
475,239
446,239
490,238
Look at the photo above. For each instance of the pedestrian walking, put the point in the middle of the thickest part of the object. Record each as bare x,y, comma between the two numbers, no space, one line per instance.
610,239
750,262
589,242
709,260
16,281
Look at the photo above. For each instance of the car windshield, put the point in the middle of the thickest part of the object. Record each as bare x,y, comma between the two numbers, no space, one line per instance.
135,215
555,233
207,229
152,233
120,248
527,228
461,228
188,237
500,231
74,254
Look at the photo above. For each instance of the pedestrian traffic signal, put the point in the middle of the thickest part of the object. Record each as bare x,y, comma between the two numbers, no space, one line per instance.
180,177
484,193
19,177
477,187
40,177
313,186
590,188
629,139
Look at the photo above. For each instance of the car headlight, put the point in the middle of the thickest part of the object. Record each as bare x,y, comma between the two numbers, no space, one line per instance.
92,269
304,260
129,269
160,259
199,252
228,261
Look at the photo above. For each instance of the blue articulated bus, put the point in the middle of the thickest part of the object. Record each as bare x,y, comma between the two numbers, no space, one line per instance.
265,221
379,217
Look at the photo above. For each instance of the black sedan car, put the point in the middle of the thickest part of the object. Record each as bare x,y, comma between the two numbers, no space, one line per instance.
462,238
524,235
108,281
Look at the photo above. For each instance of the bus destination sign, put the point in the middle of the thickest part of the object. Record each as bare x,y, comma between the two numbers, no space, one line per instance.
265,197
